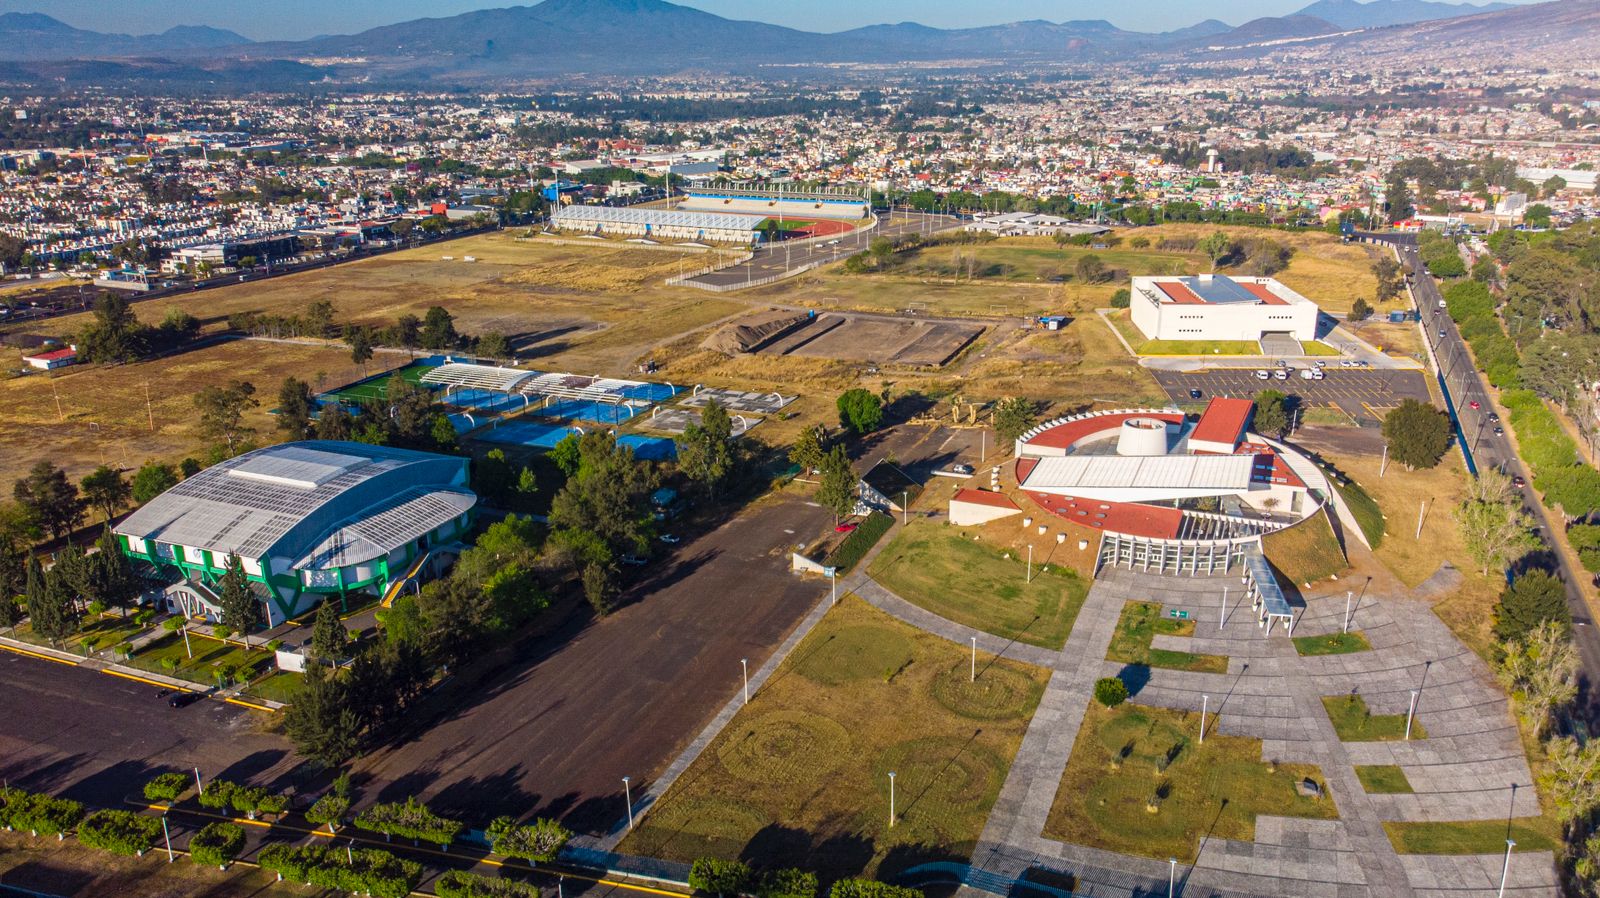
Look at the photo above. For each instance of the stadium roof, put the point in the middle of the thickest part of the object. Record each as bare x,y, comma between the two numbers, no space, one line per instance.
480,377
308,502
658,218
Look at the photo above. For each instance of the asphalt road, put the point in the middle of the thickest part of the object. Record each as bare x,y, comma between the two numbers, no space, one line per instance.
1361,393
1466,386
94,737
774,259
556,731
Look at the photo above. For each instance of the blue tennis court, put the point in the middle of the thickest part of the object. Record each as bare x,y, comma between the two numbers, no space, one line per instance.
649,448
464,422
485,400
526,433
649,392
587,410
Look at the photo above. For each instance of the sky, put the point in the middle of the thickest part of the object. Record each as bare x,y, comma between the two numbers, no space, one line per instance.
297,19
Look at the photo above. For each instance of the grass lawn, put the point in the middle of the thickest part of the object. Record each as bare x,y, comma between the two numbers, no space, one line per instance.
1139,783
1307,552
800,776
966,581
1383,779
106,631
1354,723
1365,509
1332,644
1317,348
279,686
1198,347
1139,624
209,655
1474,836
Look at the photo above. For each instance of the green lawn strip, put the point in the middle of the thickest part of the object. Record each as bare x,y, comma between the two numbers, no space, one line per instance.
859,542
1332,644
1317,347
1369,517
107,631
1307,552
1473,836
278,686
934,567
1383,779
1197,347
1139,624
209,655
1139,783
1354,723
800,776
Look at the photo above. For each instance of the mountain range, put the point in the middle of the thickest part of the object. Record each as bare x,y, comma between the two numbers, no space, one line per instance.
638,37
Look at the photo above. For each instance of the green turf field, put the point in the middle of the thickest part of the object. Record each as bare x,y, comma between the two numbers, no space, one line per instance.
377,386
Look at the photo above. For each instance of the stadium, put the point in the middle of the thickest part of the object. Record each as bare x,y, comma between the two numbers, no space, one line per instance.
306,520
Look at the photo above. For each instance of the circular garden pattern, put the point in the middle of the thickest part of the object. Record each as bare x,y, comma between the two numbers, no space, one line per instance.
857,653
786,746
940,772
1000,693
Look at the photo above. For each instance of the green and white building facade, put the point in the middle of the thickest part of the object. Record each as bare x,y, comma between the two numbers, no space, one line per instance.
307,520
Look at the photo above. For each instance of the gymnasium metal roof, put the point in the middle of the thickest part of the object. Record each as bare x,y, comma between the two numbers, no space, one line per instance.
1156,472
289,500
659,218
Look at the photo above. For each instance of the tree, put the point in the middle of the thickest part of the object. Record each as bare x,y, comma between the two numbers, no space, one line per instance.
334,422
807,451
1360,310
1091,269
50,499
1271,413
1397,199
222,413
719,877
860,410
108,575
1529,601
494,345
1541,670
1012,418
1216,247
1417,434
1110,691
408,331
114,335
837,493
319,722
438,330
328,635
492,476
106,489
706,450
241,610
360,340
1573,777
151,480
50,609
294,408
1390,278
1495,533
787,882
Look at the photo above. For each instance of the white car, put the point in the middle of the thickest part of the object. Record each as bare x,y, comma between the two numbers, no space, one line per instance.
1261,374
1282,374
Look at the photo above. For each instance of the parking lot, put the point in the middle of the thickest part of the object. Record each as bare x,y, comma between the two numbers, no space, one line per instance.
1360,393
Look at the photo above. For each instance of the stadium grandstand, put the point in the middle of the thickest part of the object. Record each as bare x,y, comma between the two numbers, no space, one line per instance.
779,201
305,520
660,224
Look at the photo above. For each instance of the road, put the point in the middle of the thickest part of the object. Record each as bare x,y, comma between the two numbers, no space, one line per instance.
1466,387
771,259
94,737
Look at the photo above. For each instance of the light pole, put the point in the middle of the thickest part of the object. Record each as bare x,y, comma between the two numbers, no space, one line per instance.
744,666
835,578
1222,610
1347,594
974,660
627,796
905,507
167,834
197,786
891,799
185,629
1411,709
1205,703
1506,869
1030,563
1172,875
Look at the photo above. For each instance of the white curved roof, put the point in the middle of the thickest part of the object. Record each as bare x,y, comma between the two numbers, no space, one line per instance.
480,377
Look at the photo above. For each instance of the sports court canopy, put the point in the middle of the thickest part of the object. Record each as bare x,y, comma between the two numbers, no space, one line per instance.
459,375
1120,478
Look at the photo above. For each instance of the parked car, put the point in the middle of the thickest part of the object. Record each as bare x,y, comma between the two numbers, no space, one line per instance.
670,540
1194,394
1495,417
845,528
961,469
183,699
1518,481
1474,405
1282,374
1261,374
1499,431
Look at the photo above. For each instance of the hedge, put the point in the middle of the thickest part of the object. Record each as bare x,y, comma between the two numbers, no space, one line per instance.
329,809
459,884
787,883
217,844
411,820
167,786
538,842
719,877
38,814
217,794
120,832
1545,446
869,888
378,873
860,541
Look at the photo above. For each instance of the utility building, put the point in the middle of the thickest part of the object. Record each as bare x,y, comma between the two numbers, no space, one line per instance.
1215,307
306,520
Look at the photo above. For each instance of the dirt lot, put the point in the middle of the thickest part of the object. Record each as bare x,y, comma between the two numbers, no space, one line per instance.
621,696
878,339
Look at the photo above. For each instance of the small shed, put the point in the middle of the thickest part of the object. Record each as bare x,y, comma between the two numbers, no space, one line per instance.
55,358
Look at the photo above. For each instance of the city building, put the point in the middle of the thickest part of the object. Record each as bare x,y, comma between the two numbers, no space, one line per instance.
306,520
1216,307
779,201
52,359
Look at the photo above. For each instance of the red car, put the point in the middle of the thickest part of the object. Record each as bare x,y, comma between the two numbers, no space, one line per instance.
844,528
1473,405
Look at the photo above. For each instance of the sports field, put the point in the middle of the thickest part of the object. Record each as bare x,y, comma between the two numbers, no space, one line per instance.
377,386
801,775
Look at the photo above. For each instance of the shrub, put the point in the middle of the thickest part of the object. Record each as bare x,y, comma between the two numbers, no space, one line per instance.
377,873
1121,299
1110,691
218,794
119,832
719,877
329,809
40,815
460,884
860,541
539,841
411,820
217,844
860,410
167,786
869,888
1585,539
787,883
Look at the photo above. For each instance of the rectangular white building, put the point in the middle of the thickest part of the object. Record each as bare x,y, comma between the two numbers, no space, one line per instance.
1215,307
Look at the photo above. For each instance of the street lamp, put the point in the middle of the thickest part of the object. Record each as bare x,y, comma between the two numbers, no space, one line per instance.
627,796
1172,875
1411,709
974,660
1506,869
1347,594
744,665
891,799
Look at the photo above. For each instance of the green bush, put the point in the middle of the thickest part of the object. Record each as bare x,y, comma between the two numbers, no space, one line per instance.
119,832
1545,446
410,820
869,888
1121,299
217,844
378,873
860,541
1585,539
787,883
167,786
39,814
459,884
1110,691
218,794
539,841
719,877
329,809
1575,490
